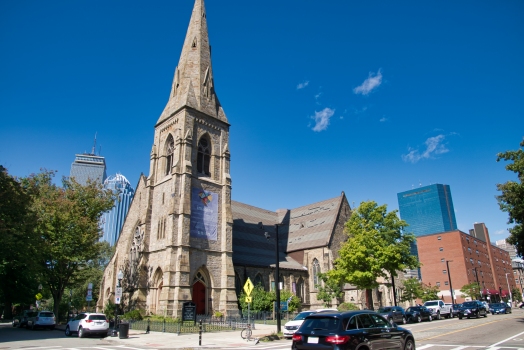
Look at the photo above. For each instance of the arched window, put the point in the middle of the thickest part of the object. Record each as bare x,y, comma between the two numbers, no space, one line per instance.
316,271
259,280
238,285
300,289
203,156
170,150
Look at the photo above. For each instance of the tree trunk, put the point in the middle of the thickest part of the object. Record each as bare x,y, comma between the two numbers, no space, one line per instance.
369,299
394,290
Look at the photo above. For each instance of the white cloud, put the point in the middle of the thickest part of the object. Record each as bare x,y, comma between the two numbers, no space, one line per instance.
501,232
371,83
322,119
383,119
434,145
302,85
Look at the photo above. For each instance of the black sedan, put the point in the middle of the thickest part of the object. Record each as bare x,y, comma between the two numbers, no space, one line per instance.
456,309
499,308
393,314
473,308
418,314
351,330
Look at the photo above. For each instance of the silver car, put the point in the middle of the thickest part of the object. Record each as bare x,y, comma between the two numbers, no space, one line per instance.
41,319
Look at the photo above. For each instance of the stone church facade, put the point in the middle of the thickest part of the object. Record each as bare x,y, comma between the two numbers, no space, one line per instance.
184,239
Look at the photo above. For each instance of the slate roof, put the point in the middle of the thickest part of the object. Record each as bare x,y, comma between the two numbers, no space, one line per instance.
305,227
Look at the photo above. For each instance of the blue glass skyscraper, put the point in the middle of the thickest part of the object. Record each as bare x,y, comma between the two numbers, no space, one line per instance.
113,220
427,209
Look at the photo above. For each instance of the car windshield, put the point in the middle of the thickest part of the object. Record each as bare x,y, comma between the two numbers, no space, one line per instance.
497,305
46,314
469,304
384,309
330,324
413,308
457,305
97,317
303,315
431,303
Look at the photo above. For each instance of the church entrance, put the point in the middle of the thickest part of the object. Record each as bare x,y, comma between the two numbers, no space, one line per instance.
199,297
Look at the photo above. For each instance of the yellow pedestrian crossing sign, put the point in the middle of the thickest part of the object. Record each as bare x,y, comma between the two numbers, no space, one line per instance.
249,299
248,288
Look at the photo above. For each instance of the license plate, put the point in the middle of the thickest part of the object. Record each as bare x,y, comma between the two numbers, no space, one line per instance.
99,322
312,340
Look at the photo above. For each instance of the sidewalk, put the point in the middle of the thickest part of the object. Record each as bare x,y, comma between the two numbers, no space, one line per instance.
210,340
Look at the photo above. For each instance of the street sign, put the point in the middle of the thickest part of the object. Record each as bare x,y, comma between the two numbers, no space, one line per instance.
283,306
117,300
248,287
249,299
118,292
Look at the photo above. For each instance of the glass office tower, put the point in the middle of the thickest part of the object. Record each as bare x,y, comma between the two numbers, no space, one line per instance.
88,166
427,209
113,220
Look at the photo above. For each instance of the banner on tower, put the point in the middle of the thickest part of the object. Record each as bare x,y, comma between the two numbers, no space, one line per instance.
204,214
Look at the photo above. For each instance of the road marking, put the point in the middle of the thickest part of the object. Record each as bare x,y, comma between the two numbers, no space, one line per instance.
424,346
460,347
463,329
505,340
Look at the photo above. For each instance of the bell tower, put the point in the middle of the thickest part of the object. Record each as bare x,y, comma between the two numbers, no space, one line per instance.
189,186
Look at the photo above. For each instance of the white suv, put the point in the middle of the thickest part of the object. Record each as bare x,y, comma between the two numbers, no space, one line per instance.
292,326
88,323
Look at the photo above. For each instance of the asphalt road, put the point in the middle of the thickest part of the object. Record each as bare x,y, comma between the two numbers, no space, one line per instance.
496,332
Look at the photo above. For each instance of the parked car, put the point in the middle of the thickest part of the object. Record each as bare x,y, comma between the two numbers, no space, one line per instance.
291,327
456,308
499,308
87,323
21,319
418,314
350,330
41,319
451,310
438,308
393,314
473,308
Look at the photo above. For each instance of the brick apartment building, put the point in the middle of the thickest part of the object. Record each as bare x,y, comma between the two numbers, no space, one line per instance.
469,258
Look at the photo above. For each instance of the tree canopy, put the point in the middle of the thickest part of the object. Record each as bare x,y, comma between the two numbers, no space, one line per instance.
471,290
512,198
68,227
377,246
412,290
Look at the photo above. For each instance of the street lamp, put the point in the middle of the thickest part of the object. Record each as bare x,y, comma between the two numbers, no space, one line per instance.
509,290
277,275
449,278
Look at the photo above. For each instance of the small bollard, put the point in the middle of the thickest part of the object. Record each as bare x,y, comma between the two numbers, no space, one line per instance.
148,328
200,333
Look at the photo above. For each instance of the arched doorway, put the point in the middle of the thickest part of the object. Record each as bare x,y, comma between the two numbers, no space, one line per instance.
200,293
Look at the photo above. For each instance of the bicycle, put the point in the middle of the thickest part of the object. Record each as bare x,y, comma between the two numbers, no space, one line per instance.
247,332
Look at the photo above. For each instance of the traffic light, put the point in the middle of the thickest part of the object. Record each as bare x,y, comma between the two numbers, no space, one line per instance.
500,291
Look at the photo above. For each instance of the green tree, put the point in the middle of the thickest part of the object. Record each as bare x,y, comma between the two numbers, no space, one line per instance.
430,292
261,300
412,290
512,198
377,246
69,229
516,294
18,248
471,290
329,289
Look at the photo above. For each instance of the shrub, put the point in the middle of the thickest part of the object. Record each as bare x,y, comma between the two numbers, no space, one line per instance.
133,315
347,307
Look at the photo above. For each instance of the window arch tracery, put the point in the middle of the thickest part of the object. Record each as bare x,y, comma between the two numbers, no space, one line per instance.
204,156
170,151
316,270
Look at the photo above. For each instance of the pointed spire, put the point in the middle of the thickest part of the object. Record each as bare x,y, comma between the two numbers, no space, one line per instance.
193,84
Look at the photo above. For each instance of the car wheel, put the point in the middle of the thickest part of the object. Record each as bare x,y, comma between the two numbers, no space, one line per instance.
419,319
81,333
410,345
404,320
430,318
460,317
438,316
67,332
478,314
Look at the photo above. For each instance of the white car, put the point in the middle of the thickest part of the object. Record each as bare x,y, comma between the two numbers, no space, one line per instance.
41,319
292,326
86,324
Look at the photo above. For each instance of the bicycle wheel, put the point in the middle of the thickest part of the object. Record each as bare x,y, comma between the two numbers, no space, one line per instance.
246,333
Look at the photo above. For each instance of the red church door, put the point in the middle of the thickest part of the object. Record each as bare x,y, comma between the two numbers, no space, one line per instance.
199,297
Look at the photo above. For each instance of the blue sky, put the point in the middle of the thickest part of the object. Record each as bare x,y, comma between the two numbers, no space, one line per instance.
367,97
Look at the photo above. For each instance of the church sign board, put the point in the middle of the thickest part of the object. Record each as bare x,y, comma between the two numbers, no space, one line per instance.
189,311
204,214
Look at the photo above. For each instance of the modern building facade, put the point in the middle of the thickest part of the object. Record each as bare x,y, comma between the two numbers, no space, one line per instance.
88,166
502,244
462,259
428,209
113,220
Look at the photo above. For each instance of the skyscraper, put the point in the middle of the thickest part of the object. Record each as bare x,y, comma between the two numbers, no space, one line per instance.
113,220
88,166
428,209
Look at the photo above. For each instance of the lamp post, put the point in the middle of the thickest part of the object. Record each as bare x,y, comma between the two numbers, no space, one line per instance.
449,278
509,290
277,276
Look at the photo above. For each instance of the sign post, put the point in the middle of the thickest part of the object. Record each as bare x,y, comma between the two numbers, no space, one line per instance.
248,288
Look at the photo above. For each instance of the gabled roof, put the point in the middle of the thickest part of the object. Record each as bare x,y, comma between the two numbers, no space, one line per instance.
305,227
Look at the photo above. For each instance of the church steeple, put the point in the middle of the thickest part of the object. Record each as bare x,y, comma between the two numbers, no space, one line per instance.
193,84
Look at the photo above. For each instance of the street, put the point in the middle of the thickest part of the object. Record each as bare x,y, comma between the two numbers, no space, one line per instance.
496,332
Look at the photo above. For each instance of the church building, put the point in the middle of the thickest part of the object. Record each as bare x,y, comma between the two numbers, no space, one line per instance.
184,239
